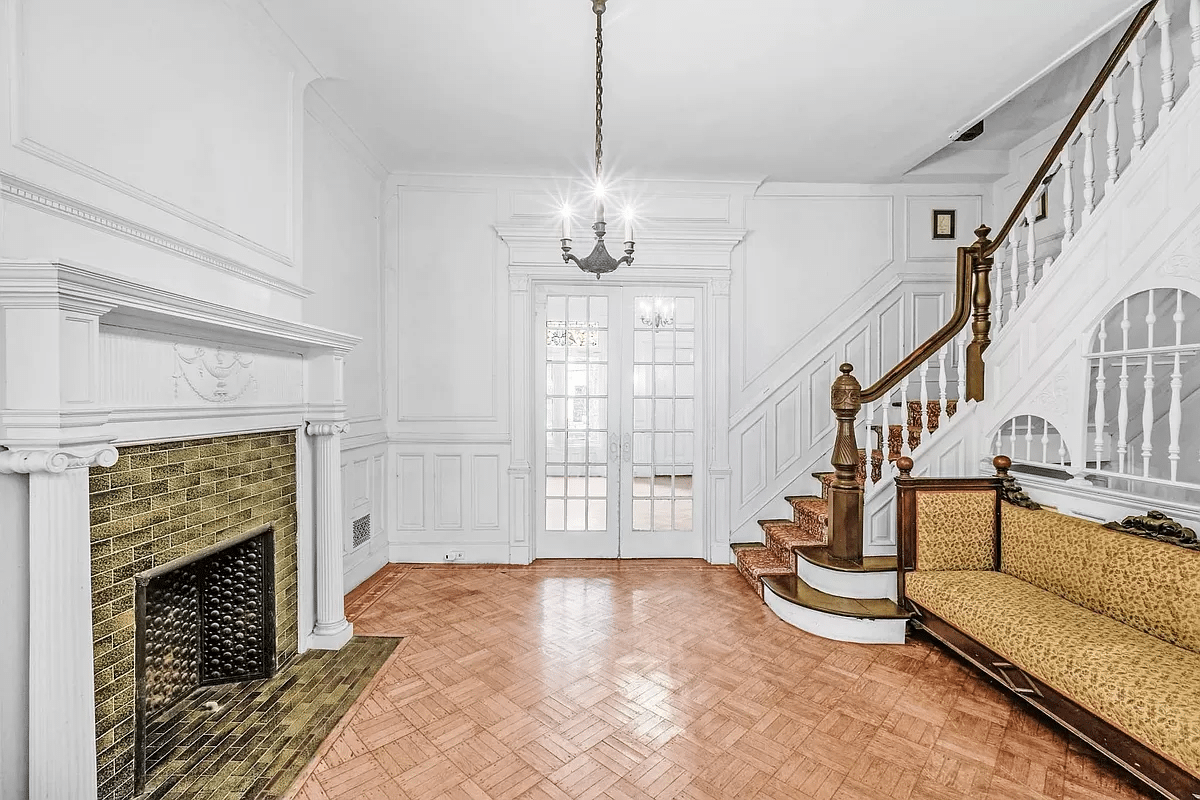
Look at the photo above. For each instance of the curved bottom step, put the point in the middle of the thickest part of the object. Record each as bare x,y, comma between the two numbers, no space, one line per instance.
866,621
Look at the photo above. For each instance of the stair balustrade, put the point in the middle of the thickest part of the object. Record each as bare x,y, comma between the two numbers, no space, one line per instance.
975,302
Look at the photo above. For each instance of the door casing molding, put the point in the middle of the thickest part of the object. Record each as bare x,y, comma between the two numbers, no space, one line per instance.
702,261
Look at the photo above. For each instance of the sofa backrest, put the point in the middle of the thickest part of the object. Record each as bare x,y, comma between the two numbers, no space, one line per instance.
956,530
1152,586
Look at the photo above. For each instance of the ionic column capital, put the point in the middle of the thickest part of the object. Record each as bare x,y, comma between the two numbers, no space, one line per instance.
54,461
326,428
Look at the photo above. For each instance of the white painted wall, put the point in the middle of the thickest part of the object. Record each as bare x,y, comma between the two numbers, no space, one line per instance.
815,258
341,239
172,144
827,274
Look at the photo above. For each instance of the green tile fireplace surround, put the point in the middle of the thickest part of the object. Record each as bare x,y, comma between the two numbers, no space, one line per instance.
160,502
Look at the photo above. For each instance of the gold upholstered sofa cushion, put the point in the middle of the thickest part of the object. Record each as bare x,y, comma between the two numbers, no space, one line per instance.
956,530
1140,683
1153,586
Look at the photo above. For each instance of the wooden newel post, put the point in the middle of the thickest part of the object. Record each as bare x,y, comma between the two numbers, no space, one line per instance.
845,493
981,325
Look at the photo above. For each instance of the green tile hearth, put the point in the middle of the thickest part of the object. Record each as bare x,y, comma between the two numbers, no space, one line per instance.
264,733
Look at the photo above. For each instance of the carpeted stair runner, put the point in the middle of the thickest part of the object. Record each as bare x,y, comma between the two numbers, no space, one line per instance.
809,524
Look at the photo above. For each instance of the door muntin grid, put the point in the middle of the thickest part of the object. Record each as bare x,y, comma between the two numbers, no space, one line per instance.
577,413
664,413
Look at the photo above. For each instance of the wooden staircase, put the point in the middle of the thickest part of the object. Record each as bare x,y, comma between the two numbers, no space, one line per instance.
795,573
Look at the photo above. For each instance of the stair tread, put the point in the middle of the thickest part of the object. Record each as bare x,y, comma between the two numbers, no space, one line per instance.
789,535
756,561
794,590
820,557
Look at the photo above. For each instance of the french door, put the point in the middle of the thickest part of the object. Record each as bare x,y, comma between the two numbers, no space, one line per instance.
618,451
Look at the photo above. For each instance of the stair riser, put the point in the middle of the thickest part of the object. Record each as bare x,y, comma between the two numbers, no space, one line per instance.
859,585
833,626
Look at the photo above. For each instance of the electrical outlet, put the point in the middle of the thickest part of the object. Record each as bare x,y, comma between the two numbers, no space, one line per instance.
455,555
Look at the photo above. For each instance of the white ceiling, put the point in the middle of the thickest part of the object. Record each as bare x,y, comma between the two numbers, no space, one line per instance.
838,90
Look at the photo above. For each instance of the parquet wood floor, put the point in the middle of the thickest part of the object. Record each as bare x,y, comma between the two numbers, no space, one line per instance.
657,680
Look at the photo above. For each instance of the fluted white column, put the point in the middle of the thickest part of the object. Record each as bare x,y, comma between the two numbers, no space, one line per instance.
331,630
62,700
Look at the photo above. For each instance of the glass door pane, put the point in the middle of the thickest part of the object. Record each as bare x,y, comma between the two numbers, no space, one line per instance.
577,509
658,480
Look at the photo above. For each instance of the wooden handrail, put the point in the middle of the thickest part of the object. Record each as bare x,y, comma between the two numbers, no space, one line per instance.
962,313
1110,66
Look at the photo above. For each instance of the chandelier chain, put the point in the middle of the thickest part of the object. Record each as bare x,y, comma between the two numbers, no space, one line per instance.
599,94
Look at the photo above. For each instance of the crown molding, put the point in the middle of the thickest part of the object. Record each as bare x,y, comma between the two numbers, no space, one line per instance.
47,201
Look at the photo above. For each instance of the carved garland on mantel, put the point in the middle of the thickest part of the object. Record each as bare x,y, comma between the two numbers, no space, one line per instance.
1157,526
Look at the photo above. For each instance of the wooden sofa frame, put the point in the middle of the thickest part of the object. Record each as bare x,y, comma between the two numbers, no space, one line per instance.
1150,768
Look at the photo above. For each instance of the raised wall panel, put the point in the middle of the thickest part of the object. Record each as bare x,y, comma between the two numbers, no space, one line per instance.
410,492
447,492
753,452
951,464
485,491
177,104
881,526
856,350
929,314
446,320
804,258
890,345
820,418
357,487
787,429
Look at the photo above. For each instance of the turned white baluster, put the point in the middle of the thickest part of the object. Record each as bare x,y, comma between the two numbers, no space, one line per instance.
1098,422
1068,168
1014,299
1028,437
904,434
1175,415
1162,16
998,295
1137,54
999,446
1123,406
1112,134
1148,386
962,369
923,420
1031,252
1012,438
1045,442
1062,450
1194,21
1089,166
941,413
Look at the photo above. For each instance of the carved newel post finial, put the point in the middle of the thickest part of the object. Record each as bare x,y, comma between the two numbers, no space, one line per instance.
981,300
1010,490
845,495
905,465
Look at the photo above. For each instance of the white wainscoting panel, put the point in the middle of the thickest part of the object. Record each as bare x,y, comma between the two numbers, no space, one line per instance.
450,497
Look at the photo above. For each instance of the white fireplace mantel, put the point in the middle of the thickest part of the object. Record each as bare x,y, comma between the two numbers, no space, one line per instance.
90,361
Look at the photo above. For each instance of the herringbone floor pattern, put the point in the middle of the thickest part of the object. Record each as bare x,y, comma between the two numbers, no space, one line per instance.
623,680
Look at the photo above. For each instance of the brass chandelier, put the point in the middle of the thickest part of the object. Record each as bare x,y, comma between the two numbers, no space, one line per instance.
598,261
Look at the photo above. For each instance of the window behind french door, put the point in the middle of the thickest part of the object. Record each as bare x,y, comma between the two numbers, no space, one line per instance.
619,450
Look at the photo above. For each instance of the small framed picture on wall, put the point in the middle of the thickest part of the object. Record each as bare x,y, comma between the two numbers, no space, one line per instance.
1042,208
944,223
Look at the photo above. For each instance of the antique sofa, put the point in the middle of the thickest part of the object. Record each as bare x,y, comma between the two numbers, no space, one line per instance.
1096,626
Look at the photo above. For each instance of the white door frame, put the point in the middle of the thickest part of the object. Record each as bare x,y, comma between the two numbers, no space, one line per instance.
697,259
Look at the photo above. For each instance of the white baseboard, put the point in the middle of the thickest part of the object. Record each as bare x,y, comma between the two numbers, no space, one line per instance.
435,553
363,568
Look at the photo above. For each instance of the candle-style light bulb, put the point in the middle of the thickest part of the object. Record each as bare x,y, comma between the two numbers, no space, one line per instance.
629,224
599,201
566,222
